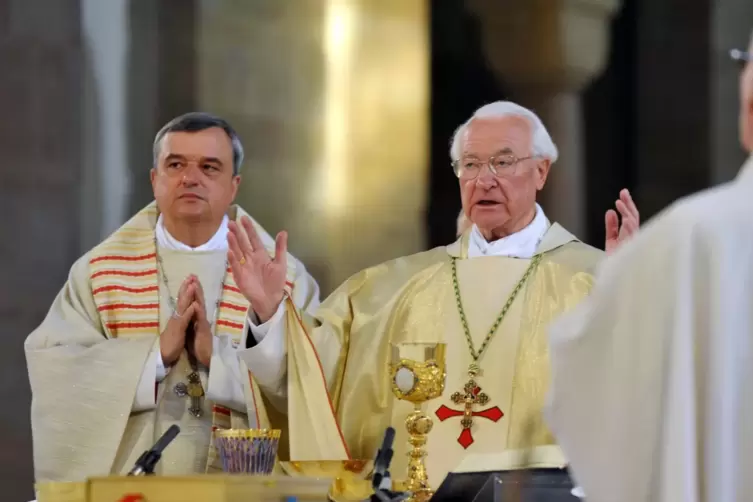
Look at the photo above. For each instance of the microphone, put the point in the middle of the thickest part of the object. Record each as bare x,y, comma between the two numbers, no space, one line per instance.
146,462
381,476
381,480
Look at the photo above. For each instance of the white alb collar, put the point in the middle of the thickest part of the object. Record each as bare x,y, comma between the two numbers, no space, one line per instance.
521,244
216,243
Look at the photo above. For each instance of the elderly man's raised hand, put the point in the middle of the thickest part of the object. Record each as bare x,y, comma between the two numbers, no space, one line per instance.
619,232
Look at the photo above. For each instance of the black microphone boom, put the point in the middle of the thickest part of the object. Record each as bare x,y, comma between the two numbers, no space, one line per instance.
383,459
146,462
381,480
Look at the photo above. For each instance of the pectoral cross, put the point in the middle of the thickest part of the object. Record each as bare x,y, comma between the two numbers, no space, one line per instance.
470,397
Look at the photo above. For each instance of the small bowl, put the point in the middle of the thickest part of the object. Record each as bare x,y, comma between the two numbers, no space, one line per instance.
247,451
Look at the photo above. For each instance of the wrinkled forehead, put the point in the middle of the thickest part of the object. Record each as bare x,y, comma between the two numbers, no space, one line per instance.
497,135
212,142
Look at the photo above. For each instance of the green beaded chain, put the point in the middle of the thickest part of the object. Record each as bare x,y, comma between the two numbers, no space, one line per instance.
474,368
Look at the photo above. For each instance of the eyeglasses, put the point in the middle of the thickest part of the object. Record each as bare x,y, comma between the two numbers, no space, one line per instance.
500,165
741,57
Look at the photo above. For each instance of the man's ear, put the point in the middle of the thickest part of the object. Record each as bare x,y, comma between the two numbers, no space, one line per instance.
236,183
542,172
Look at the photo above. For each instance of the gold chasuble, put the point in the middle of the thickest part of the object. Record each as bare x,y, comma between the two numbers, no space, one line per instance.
413,299
86,359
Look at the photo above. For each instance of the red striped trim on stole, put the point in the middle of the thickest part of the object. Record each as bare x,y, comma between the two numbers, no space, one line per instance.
233,306
126,273
221,410
125,289
128,306
114,257
229,324
131,325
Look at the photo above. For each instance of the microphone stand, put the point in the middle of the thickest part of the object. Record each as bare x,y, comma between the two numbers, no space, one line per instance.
381,481
148,460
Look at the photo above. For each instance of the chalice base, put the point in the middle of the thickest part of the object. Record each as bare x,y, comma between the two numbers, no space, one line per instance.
421,495
418,425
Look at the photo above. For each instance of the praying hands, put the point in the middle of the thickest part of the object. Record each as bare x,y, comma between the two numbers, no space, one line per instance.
190,311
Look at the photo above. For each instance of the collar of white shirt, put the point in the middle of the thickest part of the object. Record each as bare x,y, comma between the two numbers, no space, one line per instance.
521,244
167,241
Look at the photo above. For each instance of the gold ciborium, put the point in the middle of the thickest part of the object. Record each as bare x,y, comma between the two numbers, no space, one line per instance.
418,374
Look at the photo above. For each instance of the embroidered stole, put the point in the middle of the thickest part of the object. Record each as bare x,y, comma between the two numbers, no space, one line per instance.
125,287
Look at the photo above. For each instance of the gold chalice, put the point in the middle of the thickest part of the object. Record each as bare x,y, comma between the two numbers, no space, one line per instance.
418,375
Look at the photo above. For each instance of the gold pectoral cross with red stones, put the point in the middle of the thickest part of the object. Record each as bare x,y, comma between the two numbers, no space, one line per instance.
470,397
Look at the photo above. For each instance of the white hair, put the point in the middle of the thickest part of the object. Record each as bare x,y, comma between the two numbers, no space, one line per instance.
542,143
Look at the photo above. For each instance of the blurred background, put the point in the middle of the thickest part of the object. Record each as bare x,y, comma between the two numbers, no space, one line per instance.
345,108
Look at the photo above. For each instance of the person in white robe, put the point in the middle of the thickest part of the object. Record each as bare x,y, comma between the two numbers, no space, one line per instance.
651,396
152,313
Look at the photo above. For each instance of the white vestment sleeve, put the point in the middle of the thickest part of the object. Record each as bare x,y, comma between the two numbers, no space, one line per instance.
144,399
267,360
162,370
225,385
273,324
154,372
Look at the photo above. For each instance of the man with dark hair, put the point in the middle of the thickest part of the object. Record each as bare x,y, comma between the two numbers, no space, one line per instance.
151,328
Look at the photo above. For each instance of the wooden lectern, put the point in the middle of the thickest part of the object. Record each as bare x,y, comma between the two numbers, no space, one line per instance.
209,488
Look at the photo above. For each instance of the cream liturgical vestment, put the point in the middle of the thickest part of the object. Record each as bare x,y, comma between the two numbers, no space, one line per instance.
413,299
652,399
100,395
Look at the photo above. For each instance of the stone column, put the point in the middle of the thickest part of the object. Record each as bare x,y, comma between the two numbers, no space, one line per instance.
160,81
731,26
331,100
105,183
40,140
547,52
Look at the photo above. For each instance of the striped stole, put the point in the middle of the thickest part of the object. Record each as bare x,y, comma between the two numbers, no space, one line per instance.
125,287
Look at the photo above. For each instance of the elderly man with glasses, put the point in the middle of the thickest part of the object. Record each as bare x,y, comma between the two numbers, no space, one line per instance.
488,297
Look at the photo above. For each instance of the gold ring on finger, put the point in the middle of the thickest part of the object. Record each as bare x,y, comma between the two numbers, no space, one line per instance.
243,260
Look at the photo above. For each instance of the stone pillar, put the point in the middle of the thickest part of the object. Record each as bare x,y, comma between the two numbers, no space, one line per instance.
564,196
674,125
732,24
40,140
160,81
330,98
106,182
547,52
